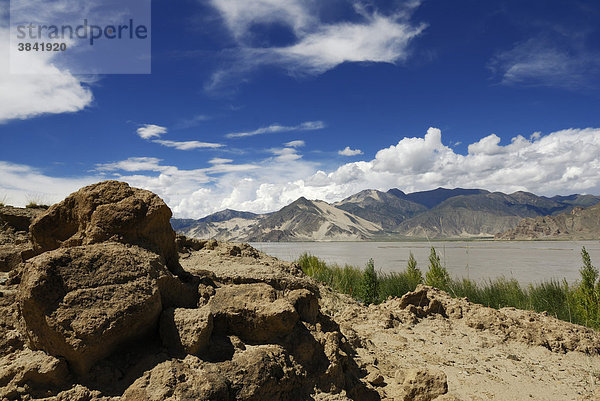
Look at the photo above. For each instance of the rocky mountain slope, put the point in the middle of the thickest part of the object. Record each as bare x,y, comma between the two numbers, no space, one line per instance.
384,209
371,214
578,224
478,215
434,197
305,220
107,305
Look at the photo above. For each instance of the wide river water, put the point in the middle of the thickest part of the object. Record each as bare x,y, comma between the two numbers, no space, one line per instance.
526,261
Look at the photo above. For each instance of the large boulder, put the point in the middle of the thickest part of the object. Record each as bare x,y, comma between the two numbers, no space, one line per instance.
81,303
109,210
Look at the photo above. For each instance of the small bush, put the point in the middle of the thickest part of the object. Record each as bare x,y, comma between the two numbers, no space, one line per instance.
414,274
437,276
587,295
368,284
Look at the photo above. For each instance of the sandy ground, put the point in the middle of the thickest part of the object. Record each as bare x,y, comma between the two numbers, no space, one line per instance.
479,364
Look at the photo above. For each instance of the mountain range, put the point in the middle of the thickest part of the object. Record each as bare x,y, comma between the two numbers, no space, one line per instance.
377,215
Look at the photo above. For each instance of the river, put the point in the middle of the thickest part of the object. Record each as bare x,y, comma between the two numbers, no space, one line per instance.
526,261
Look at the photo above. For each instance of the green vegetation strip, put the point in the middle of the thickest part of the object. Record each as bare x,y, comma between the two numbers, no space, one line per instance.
577,303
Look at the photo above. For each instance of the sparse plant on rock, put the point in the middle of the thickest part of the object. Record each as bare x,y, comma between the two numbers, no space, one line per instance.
437,276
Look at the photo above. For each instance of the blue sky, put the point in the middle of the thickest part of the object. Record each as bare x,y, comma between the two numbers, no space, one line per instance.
253,103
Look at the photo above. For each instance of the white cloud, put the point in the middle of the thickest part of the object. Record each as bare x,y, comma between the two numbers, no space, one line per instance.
371,35
133,164
286,154
295,144
148,131
276,128
381,39
241,15
20,183
188,145
561,162
350,152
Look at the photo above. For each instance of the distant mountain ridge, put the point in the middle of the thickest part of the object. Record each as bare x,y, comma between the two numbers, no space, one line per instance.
372,214
578,224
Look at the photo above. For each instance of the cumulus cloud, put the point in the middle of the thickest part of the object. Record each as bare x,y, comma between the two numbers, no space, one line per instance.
561,162
370,35
277,128
148,131
350,152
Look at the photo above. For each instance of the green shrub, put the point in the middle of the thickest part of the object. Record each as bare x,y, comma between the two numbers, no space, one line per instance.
587,294
368,284
413,272
437,276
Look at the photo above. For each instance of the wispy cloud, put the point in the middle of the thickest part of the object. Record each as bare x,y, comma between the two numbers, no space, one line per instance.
188,145
541,61
148,131
218,160
295,144
276,128
192,122
350,152
133,164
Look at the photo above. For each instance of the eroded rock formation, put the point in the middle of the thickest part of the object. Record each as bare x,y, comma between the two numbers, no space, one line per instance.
106,310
